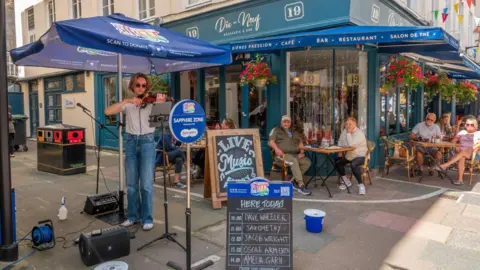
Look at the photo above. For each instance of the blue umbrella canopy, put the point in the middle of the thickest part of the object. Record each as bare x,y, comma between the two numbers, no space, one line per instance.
93,44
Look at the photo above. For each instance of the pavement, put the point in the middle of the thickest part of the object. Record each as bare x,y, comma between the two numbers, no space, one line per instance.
398,225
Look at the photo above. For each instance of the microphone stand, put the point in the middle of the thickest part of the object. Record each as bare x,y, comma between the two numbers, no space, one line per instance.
166,235
120,201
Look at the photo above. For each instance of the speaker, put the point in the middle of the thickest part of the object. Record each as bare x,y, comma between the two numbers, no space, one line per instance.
104,245
100,203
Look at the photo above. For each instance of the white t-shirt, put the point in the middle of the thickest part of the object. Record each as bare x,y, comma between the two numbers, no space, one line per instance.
136,121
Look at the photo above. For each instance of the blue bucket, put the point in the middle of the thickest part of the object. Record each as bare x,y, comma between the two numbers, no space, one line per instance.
314,220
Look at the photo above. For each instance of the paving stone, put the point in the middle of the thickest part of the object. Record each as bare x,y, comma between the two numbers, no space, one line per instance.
472,211
471,199
450,257
464,239
432,231
462,222
405,255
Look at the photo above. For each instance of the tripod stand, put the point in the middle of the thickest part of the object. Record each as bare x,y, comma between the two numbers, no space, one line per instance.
166,235
121,208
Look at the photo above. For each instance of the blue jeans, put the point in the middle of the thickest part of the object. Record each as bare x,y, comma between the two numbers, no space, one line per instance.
139,166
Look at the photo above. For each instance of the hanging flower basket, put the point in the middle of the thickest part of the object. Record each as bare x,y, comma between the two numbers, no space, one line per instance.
257,73
465,92
404,73
439,84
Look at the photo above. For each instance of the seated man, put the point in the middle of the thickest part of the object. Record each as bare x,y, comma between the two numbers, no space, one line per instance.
175,155
352,136
423,131
468,139
284,140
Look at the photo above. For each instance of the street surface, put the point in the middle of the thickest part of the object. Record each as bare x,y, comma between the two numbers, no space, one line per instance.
398,225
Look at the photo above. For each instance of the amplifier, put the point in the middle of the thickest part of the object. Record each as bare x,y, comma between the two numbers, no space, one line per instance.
101,203
104,245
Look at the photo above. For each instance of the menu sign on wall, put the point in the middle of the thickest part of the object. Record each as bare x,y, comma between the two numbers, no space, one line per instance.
259,225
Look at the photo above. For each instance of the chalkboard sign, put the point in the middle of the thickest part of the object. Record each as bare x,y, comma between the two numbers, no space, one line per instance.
259,225
236,155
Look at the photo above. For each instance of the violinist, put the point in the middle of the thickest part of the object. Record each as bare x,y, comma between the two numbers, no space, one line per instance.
139,150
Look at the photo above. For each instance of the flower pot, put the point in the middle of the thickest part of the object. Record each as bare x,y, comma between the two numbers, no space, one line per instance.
260,83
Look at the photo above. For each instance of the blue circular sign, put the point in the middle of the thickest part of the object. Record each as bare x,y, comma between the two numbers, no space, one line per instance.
187,121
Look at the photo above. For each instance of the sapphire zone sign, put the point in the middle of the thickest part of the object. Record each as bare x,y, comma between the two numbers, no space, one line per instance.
187,121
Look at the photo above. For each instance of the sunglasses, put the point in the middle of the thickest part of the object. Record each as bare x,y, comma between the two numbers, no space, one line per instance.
429,119
141,85
469,125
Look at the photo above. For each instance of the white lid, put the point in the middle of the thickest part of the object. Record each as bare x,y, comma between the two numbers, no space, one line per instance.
314,213
113,265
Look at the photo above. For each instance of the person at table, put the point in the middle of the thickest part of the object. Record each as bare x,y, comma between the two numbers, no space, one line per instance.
354,137
445,128
287,141
422,131
199,156
175,156
467,138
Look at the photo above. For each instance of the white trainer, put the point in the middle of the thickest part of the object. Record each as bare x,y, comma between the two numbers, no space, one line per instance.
127,223
345,183
148,226
361,189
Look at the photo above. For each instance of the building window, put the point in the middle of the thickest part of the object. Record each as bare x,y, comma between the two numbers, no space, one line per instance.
146,9
77,9
193,3
31,19
108,7
212,85
32,38
53,97
75,83
51,12
321,100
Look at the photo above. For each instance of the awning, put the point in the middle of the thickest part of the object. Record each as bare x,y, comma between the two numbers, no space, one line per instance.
456,71
388,39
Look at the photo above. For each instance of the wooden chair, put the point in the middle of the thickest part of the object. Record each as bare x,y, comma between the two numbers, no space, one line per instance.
395,159
278,164
169,168
365,167
473,163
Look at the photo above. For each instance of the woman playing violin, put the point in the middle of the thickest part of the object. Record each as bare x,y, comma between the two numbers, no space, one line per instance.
139,151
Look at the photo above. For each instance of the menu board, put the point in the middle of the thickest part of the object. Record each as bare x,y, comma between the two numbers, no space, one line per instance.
236,156
259,225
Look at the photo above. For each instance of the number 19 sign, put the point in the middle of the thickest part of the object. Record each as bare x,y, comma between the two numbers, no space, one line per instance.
187,121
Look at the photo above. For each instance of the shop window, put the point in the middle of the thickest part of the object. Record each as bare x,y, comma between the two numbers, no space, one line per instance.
311,83
212,84
110,89
395,104
351,86
234,95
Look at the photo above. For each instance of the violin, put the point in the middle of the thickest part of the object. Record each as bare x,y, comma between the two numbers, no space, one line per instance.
150,98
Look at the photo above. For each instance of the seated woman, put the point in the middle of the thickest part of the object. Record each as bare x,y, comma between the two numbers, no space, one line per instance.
199,157
467,138
175,155
445,127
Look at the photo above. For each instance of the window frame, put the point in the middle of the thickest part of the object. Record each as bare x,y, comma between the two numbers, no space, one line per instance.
51,17
31,24
148,16
110,6
76,8
75,89
194,5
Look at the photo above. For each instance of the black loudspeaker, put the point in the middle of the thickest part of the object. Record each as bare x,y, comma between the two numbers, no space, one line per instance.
101,203
104,245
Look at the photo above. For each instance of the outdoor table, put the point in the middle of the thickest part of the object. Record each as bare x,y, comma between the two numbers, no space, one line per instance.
441,144
328,153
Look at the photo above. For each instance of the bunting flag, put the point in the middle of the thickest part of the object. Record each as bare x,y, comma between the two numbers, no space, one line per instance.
460,18
456,7
469,2
445,14
475,51
435,14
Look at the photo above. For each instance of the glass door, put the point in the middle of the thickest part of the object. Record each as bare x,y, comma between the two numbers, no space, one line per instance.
33,100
